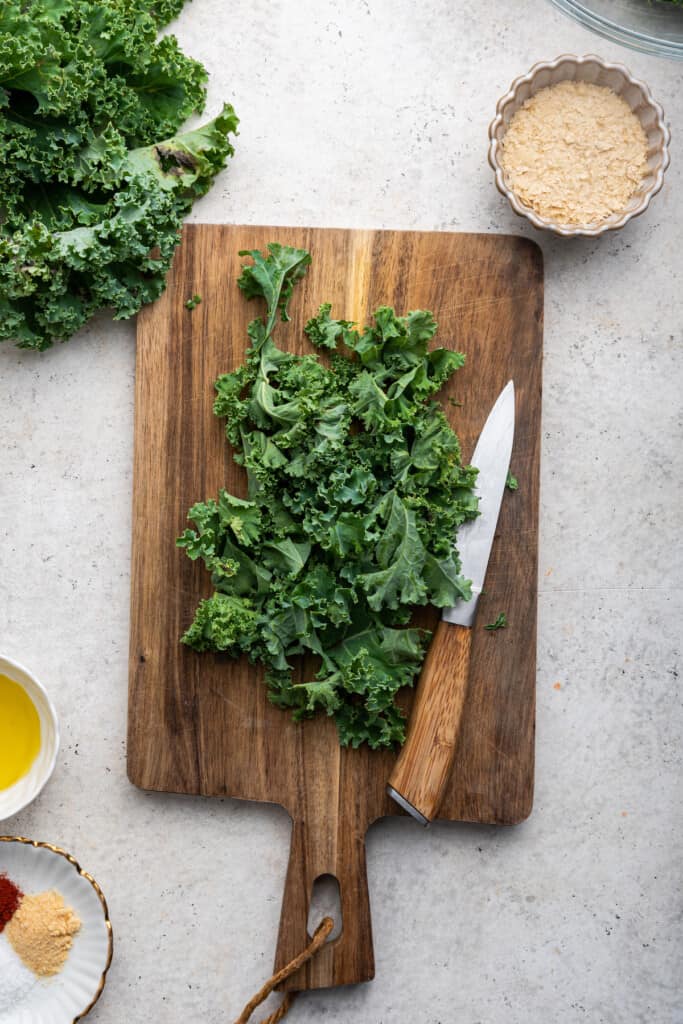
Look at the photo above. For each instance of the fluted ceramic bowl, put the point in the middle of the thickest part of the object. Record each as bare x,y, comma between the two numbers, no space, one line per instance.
68,996
596,71
27,788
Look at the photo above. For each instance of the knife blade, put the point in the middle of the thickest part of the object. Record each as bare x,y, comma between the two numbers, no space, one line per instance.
424,765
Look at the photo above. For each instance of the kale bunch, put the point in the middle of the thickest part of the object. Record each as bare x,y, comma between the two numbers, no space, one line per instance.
355,493
96,181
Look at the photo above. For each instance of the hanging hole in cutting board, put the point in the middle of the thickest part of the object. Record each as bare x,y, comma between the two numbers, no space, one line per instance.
325,902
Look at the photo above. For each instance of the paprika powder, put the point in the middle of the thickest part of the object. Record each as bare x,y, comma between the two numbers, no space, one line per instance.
10,898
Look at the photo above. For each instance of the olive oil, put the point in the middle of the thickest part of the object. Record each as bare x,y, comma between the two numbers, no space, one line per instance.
19,732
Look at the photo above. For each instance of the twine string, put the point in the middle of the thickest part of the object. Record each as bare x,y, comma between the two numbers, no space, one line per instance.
318,940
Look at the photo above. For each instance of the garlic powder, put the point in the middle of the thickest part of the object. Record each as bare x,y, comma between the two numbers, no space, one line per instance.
42,932
574,152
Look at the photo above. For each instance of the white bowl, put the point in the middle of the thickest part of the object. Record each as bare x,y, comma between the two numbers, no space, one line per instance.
66,997
598,72
27,788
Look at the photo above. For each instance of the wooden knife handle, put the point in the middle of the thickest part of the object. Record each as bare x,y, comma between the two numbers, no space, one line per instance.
424,764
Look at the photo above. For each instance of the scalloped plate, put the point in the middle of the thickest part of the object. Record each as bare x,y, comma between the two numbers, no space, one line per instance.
68,996
589,68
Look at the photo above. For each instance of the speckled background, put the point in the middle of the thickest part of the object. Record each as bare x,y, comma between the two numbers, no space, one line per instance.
374,113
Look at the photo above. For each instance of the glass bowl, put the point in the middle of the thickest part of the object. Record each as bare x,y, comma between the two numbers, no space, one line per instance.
651,26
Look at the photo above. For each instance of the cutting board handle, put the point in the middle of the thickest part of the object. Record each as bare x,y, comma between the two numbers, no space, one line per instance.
349,958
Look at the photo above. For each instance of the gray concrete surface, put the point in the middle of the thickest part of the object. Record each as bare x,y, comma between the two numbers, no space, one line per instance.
374,113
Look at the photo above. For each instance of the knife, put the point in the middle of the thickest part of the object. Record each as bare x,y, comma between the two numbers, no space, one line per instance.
424,765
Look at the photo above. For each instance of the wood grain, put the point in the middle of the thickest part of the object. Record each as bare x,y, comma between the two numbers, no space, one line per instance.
423,768
201,723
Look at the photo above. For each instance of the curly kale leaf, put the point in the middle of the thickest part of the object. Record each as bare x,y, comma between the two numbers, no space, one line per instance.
401,556
223,623
356,489
273,278
359,680
96,176
499,623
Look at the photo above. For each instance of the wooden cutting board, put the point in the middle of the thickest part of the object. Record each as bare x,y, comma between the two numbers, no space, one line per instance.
202,723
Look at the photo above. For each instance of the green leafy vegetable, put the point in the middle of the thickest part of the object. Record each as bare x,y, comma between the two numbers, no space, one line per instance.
511,482
355,490
96,179
500,623
193,302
